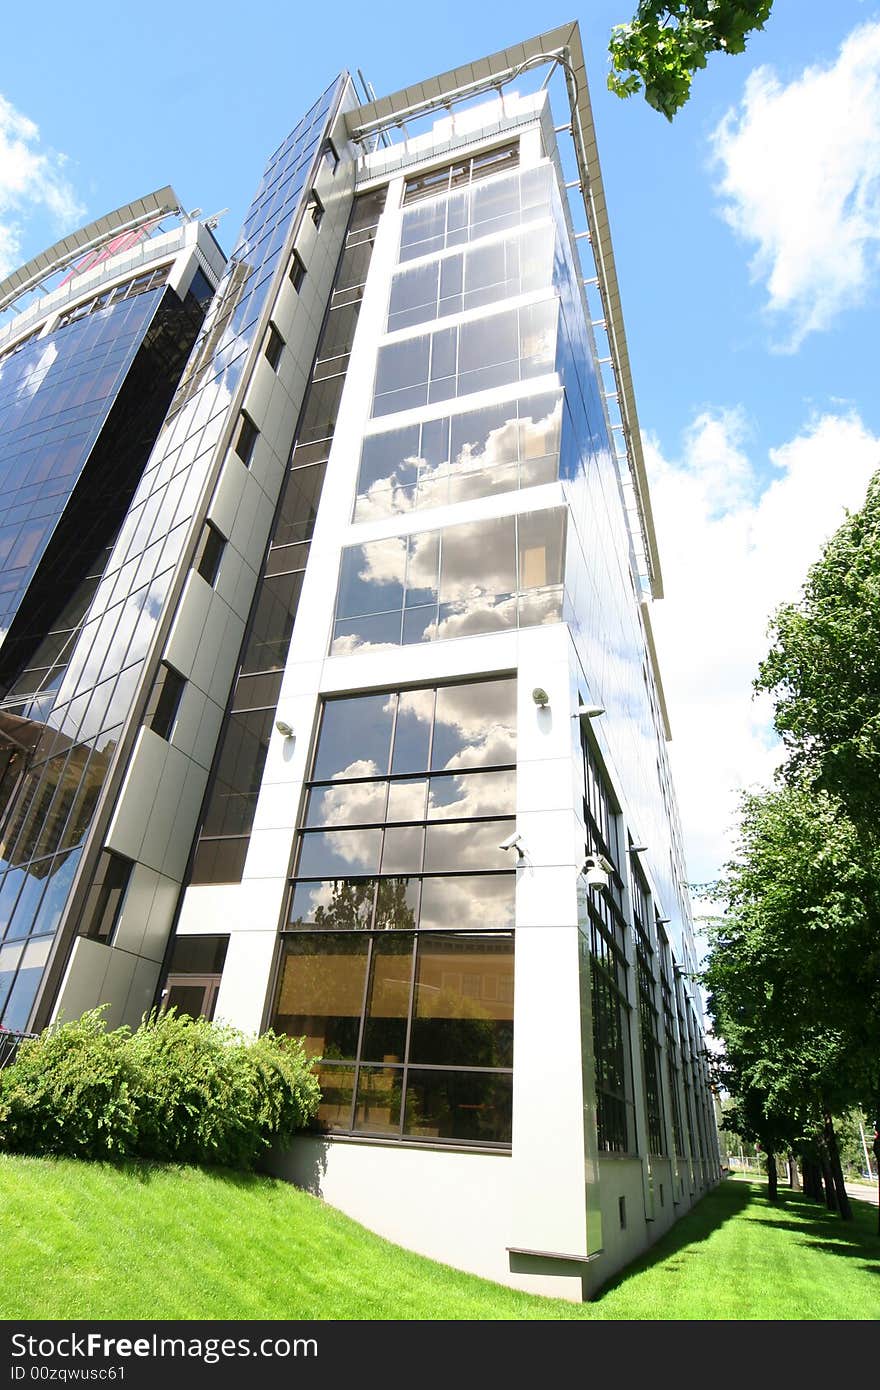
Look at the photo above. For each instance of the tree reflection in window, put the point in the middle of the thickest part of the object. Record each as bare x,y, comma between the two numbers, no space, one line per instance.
401,977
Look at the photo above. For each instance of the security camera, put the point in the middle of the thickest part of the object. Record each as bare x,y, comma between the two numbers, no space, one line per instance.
597,870
513,842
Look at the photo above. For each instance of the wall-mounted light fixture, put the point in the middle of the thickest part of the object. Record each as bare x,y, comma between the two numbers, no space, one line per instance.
540,697
637,849
283,728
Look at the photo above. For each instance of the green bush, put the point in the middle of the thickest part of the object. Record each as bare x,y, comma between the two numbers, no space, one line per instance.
208,1094
178,1089
70,1092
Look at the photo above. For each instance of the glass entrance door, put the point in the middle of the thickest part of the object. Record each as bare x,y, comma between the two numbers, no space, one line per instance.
195,995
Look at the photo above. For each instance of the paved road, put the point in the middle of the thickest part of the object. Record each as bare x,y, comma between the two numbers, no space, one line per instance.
862,1192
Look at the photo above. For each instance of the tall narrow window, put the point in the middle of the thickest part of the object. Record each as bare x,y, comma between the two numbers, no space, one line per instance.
247,438
164,701
608,962
274,347
209,553
297,271
106,897
316,208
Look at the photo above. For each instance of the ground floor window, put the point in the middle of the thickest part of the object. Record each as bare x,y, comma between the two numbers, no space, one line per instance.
414,1029
194,975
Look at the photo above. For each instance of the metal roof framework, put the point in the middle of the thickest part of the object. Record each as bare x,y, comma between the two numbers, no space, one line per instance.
557,48
127,218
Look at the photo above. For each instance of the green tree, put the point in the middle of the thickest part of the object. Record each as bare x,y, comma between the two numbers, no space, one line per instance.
668,40
794,971
823,670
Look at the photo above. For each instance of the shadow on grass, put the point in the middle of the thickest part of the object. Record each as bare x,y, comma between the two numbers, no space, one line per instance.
816,1227
145,1170
702,1221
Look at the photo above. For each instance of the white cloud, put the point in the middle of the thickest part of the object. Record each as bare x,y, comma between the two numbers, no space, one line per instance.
31,179
800,175
733,547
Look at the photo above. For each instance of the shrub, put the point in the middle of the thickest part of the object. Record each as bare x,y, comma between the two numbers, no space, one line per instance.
70,1092
208,1094
178,1089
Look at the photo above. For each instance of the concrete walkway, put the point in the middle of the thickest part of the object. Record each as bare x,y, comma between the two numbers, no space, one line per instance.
861,1192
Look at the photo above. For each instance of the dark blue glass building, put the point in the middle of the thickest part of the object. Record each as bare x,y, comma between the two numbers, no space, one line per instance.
86,376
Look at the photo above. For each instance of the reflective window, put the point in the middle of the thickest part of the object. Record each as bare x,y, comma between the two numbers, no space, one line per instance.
463,1008
673,1056
321,992
414,1030
470,279
316,208
355,737
462,171
479,577
512,345
164,701
72,466
468,214
474,454
607,965
106,897
297,272
210,552
246,438
649,1018
333,853
274,347
471,1107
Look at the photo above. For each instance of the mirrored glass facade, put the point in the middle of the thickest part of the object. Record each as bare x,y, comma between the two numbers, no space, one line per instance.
478,577
397,953
475,453
69,682
509,346
55,395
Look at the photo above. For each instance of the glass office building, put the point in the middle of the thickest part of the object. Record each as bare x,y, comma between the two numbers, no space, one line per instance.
87,372
394,776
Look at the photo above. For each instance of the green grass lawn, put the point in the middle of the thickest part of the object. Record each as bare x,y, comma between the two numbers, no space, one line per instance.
88,1240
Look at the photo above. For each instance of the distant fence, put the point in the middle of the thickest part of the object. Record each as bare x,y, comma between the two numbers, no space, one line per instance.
9,1044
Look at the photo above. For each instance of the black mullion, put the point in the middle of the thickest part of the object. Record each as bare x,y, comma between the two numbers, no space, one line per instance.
436,1066
403,824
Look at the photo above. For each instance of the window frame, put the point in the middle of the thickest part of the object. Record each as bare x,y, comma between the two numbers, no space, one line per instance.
209,555
316,208
163,708
297,271
246,438
273,346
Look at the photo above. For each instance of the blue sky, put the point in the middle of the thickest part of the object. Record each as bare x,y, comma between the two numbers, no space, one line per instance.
746,236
